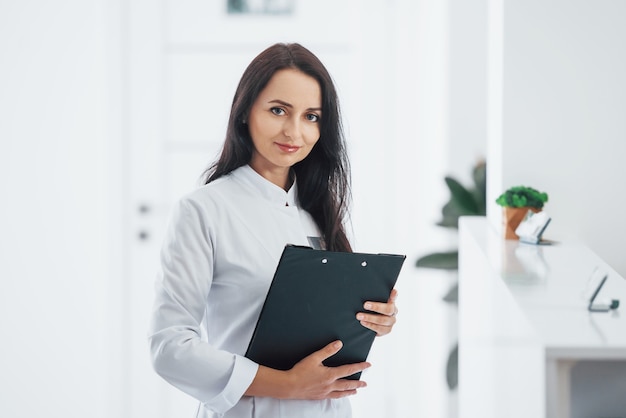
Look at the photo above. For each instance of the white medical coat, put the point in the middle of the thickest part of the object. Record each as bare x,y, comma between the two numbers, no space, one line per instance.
218,258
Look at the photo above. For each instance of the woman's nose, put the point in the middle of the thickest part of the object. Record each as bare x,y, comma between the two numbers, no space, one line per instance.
293,128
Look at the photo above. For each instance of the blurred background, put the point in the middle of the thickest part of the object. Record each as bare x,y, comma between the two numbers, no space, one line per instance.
111,109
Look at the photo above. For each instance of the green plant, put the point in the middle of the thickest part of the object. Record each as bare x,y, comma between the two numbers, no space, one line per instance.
522,196
463,202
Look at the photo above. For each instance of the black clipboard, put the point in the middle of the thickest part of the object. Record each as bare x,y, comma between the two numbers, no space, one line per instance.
313,300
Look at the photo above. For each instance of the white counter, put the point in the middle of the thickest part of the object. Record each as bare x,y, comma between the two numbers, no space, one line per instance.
528,346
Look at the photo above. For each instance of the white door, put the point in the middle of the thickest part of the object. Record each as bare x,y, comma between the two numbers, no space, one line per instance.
185,58
149,160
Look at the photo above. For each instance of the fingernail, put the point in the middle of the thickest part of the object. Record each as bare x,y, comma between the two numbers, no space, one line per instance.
338,344
368,305
360,316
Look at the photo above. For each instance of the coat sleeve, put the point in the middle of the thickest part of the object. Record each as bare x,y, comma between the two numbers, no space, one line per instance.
215,377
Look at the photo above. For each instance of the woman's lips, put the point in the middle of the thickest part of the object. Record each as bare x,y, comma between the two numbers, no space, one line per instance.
287,147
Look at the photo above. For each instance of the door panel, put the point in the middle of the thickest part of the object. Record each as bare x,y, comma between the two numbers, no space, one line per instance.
146,208
200,87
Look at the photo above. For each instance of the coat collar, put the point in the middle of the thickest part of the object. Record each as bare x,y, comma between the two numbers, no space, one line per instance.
265,188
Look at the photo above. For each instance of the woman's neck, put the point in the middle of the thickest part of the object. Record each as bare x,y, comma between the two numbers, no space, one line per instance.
283,178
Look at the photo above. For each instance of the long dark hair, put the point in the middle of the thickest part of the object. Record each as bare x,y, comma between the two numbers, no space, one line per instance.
324,175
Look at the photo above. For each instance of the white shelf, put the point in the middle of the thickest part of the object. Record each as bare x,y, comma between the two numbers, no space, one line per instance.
524,326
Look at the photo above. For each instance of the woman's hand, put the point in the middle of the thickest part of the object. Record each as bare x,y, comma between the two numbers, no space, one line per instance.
309,378
384,318
313,380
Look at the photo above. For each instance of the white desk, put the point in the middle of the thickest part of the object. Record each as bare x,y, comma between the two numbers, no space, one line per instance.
528,347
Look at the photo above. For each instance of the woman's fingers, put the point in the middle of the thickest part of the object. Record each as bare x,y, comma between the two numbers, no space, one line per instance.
328,351
338,372
380,324
316,381
381,316
388,309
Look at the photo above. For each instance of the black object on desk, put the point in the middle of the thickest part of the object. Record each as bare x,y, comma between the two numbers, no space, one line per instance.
313,300
597,280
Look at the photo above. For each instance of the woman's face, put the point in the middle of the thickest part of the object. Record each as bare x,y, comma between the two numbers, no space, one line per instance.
284,123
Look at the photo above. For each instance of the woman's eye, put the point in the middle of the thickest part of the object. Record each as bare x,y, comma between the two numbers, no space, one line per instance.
312,117
277,111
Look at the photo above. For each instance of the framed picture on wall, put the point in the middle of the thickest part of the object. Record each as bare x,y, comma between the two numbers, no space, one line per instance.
260,7
251,24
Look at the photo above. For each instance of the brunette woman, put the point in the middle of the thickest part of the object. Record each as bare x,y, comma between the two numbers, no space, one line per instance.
282,177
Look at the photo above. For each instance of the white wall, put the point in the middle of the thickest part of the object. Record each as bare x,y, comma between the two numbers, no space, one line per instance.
558,100
467,88
54,210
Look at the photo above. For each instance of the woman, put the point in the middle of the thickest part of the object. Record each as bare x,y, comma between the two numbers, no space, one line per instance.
282,177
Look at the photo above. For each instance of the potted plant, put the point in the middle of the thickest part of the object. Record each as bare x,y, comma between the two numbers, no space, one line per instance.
516,202
463,202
